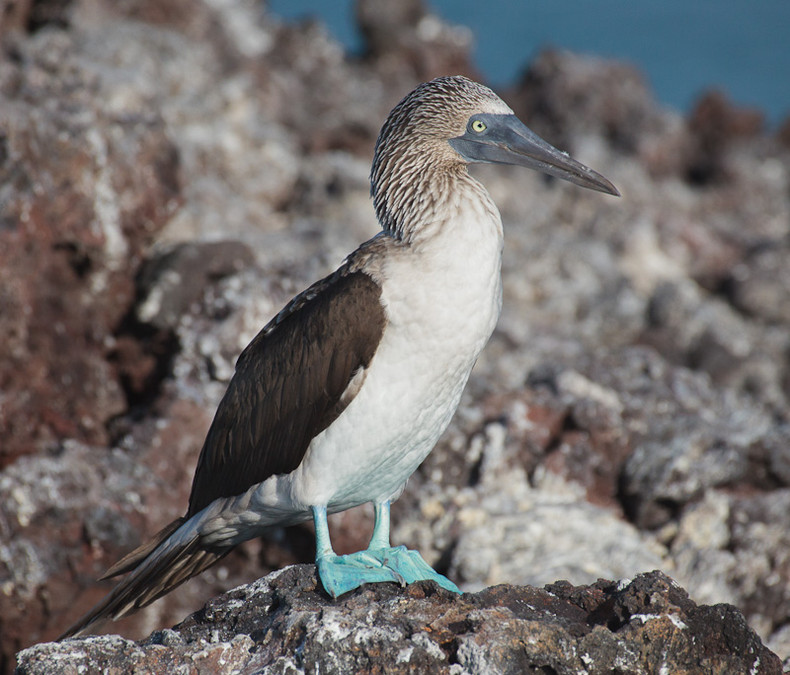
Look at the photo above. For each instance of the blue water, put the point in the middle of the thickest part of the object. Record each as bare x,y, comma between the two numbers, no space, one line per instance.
683,46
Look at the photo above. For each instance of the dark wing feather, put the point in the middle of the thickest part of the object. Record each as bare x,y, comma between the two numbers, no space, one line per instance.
289,385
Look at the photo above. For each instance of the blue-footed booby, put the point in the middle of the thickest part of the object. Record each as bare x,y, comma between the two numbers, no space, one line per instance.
344,393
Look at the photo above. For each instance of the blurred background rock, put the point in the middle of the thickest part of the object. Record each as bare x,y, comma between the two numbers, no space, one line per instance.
172,172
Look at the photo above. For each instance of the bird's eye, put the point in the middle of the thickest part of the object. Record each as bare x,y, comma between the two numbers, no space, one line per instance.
479,126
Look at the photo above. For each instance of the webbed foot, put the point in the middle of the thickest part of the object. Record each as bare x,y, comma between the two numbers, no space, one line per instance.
380,562
343,573
410,566
340,574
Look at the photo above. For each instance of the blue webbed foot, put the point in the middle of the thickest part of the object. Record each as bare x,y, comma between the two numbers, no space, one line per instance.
379,563
410,566
343,573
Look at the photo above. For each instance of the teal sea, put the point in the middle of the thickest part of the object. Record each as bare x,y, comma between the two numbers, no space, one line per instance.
684,47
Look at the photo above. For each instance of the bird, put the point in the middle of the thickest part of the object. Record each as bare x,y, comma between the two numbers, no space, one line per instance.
344,393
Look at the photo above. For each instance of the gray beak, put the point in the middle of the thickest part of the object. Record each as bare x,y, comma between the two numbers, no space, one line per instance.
504,139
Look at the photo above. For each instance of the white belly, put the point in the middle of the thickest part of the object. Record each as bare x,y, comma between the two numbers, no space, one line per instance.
442,304
408,398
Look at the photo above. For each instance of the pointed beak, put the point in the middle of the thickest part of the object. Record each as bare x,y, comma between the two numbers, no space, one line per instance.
505,139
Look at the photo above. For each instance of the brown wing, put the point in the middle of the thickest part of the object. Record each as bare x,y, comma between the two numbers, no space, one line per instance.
289,385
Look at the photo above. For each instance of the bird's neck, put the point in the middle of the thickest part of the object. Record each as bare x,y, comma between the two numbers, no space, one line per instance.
413,204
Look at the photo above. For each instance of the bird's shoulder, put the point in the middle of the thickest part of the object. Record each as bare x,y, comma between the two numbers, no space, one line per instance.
356,283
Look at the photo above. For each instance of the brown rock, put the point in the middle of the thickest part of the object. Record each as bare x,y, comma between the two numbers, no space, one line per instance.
284,623
406,35
560,95
714,124
85,191
19,16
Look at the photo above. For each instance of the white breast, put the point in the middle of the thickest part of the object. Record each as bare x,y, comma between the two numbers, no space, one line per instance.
442,297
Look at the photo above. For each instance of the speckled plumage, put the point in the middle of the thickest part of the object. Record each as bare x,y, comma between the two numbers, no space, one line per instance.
414,170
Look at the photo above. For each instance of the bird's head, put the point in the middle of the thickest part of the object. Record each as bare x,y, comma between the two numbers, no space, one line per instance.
453,120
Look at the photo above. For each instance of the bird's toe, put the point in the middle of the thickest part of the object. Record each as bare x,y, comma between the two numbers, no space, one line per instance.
343,573
409,566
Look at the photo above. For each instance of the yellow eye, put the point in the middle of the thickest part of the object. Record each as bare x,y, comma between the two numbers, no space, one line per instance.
479,126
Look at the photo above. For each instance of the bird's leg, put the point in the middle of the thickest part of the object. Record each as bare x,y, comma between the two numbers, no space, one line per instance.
381,526
408,566
343,573
323,544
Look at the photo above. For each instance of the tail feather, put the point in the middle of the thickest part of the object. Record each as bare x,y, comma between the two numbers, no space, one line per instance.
168,560
133,559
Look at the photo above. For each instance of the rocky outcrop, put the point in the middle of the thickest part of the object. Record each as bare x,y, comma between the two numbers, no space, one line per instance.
171,173
283,624
85,189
